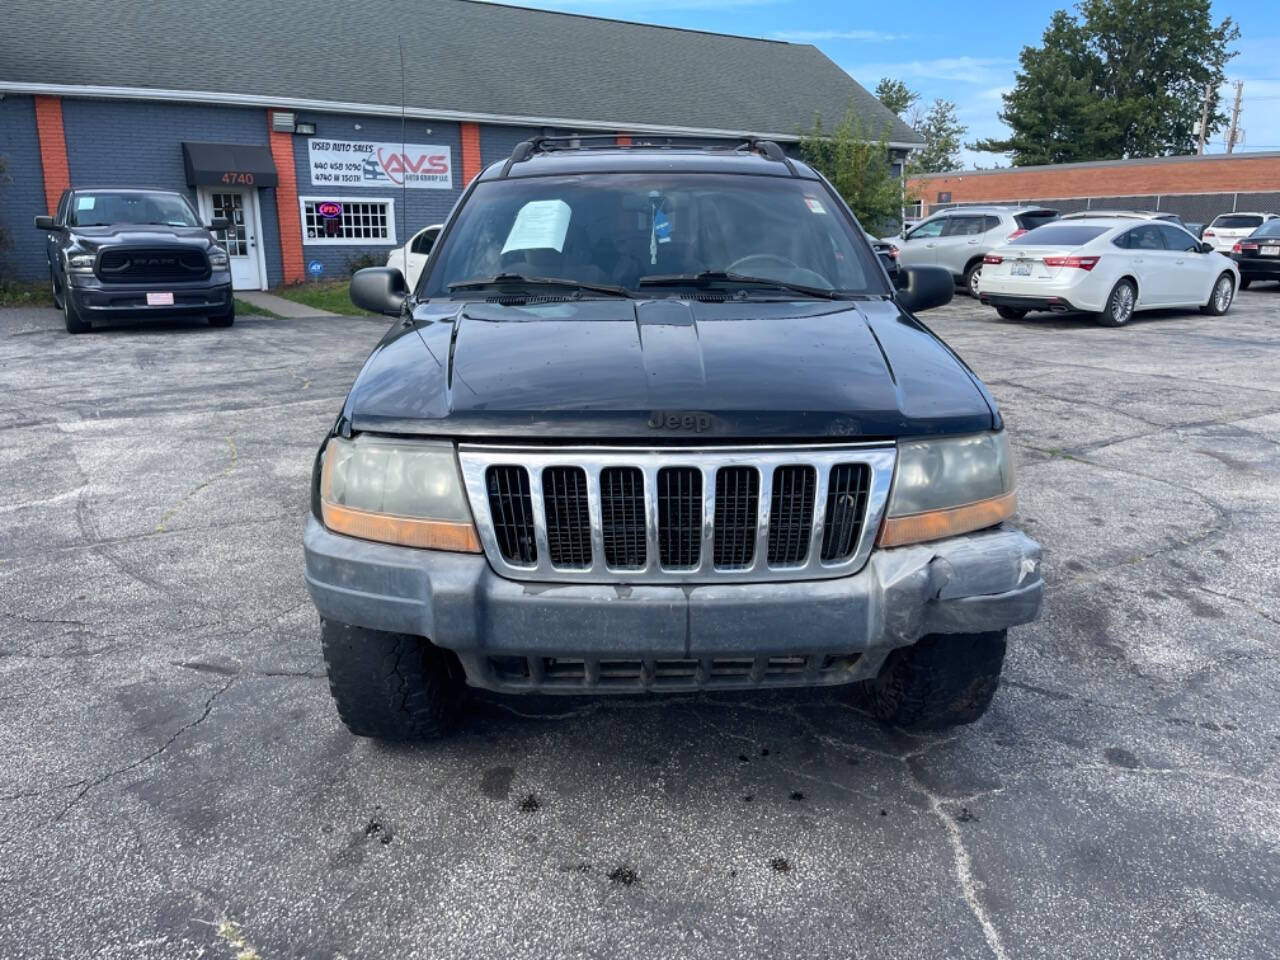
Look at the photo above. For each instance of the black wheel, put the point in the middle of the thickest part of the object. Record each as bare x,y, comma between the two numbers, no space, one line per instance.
942,680
1224,290
75,324
1011,313
53,287
1120,303
225,319
1245,282
971,275
392,686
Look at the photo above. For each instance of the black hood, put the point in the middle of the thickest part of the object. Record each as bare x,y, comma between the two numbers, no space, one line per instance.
140,235
649,370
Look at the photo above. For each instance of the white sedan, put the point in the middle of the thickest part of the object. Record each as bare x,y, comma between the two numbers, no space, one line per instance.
412,257
1108,266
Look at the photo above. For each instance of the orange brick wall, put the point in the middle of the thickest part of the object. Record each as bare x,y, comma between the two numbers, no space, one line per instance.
53,149
287,205
471,163
1242,174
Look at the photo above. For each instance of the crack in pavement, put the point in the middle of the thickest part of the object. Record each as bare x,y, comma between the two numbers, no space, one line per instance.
98,781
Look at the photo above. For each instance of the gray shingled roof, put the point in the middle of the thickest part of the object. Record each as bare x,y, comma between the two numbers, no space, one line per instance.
469,57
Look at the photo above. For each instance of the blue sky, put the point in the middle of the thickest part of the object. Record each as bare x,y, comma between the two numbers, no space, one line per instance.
964,52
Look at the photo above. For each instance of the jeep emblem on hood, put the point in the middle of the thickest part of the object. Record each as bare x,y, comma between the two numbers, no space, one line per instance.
680,420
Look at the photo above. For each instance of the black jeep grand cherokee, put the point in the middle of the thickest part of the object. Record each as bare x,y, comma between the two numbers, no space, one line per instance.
123,253
658,420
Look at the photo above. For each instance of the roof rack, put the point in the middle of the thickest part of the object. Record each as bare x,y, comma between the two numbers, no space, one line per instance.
525,149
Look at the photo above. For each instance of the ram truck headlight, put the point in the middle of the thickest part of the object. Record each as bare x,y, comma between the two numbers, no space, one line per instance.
396,491
217,258
80,263
946,486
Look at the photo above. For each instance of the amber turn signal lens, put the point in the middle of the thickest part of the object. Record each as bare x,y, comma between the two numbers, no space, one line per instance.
405,531
936,524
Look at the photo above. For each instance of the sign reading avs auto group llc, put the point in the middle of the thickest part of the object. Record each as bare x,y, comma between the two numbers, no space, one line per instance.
353,163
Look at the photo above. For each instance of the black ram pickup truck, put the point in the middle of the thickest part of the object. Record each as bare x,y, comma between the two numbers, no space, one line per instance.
124,253
660,420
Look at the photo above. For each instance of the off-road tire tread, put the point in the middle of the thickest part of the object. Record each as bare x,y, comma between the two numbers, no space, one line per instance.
71,316
225,320
942,680
391,686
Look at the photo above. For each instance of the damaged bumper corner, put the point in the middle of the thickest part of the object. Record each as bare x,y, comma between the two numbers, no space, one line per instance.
969,584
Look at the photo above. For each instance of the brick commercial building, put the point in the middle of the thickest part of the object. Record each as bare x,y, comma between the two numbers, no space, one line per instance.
285,117
1195,188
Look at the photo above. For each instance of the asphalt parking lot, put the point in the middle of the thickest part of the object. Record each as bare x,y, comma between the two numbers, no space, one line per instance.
174,781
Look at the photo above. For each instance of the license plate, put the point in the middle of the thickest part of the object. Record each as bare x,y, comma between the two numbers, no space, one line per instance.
1271,251
1020,268
159,299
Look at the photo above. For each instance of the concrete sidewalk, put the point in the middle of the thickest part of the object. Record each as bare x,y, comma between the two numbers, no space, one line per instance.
281,306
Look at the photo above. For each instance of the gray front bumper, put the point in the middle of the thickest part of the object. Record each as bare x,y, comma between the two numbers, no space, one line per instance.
843,628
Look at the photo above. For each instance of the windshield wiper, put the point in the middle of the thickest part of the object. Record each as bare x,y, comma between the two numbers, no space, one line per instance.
708,277
520,280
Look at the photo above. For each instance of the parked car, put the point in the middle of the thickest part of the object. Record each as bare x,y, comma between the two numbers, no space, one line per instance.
123,253
656,420
1108,266
410,258
1225,229
1258,255
886,250
959,238
1135,214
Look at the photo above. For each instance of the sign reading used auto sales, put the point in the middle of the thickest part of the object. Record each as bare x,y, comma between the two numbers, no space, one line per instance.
353,163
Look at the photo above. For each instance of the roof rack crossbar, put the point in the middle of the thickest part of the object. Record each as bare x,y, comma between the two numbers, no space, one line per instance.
525,149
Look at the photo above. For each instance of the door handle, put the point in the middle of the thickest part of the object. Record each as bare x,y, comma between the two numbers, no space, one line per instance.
927,245
973,242
1137,260
1179,262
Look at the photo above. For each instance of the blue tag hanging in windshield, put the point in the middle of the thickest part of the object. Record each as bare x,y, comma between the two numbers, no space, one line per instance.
659,227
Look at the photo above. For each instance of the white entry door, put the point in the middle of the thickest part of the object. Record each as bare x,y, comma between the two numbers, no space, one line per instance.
240,209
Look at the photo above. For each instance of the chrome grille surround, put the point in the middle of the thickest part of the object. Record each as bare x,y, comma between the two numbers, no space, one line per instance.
879,458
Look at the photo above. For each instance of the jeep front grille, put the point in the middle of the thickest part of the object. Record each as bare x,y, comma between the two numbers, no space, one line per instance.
678,514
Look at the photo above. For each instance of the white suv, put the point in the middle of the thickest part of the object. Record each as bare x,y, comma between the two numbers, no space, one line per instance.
959,238
1227,228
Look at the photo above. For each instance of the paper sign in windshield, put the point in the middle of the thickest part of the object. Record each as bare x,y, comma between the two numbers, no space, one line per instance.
814,205
540,225
85,203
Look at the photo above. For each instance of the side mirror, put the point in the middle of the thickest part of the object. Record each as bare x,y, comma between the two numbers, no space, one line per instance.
1205,247
923,288
379,290
45,223
219,223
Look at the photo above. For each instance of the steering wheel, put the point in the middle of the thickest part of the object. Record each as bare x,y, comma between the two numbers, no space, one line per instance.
758,265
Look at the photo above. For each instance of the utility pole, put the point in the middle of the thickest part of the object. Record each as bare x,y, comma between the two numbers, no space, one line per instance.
1235,117
1204,119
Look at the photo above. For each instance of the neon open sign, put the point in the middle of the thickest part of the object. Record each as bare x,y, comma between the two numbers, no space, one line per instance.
329,209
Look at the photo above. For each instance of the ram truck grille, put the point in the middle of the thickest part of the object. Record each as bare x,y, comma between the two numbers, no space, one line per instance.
159,265
677,515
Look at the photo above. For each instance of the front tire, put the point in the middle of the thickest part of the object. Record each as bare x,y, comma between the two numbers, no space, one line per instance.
392,686
1245,282
71,316
1120,304
941,681
1010,313
225,319
1224,289
972,276
53,288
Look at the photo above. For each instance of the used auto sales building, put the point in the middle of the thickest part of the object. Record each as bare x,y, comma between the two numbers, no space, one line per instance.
297,123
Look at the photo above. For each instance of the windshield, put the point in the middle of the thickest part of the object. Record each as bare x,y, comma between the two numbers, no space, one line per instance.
656,234
104,208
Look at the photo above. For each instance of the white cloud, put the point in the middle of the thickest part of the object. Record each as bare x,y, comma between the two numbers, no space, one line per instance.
984,71
813,36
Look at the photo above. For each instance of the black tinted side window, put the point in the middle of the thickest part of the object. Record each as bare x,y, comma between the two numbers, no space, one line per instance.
1176,239
60,218
1123,240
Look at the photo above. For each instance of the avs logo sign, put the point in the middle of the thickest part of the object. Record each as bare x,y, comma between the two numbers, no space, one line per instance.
351,163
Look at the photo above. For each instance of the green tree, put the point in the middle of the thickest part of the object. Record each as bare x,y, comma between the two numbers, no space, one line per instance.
1120,78
896,95
942,134
858,167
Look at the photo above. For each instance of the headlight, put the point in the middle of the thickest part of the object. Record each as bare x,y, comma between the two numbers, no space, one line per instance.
395,491
80,263
947,486
218,258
